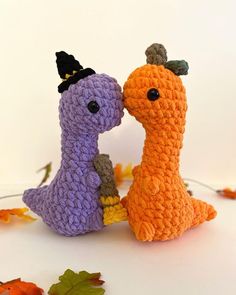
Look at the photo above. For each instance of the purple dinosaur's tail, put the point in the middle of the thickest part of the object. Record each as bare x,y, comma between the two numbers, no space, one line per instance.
34,199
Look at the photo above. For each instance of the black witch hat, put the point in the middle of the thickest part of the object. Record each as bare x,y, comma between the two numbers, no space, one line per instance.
70,70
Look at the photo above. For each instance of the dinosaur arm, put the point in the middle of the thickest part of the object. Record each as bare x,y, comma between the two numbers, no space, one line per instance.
93,180
151,185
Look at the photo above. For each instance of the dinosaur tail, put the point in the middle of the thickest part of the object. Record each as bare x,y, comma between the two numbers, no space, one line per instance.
202,212
34,199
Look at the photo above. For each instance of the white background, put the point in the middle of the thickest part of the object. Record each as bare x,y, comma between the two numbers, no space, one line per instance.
111,36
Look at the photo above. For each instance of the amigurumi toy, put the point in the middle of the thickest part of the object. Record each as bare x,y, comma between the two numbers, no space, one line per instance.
158,204
90,104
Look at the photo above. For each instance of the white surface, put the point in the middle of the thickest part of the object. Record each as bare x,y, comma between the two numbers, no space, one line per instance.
202,261
111,36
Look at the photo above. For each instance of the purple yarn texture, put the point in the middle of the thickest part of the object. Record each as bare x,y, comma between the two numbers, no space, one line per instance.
70,204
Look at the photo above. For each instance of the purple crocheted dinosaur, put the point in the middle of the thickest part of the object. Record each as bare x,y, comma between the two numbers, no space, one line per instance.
90,104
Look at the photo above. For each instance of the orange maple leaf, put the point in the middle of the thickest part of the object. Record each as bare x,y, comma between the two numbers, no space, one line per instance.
228,193
5,214
18,287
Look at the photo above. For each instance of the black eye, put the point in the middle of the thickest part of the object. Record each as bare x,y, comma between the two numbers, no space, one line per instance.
153,94
93,107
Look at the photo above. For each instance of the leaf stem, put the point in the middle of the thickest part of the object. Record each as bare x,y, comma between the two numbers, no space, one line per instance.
10,196
201,183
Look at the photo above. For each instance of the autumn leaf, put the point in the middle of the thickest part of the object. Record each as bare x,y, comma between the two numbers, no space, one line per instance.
227,193
48,169
83,283
18,287
122,174
188,190
5,214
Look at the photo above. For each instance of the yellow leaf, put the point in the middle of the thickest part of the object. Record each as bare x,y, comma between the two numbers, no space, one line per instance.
5,214
122,174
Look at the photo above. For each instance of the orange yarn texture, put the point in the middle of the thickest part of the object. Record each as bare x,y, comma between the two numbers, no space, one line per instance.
158,204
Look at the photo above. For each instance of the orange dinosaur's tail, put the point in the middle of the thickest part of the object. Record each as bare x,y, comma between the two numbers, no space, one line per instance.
202,212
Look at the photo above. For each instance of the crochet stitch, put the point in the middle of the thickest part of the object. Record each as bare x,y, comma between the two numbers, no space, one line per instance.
158,204
109,196
70,205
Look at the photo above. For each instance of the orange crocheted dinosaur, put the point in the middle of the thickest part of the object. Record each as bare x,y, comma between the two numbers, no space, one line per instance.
158,204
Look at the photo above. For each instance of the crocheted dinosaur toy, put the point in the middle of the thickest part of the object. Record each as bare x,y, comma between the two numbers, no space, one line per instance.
90,104
158,204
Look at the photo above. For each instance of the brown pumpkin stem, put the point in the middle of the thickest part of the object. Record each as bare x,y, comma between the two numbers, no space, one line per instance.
156,54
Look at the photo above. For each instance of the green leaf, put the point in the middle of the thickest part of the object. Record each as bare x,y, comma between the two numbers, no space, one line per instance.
82,283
